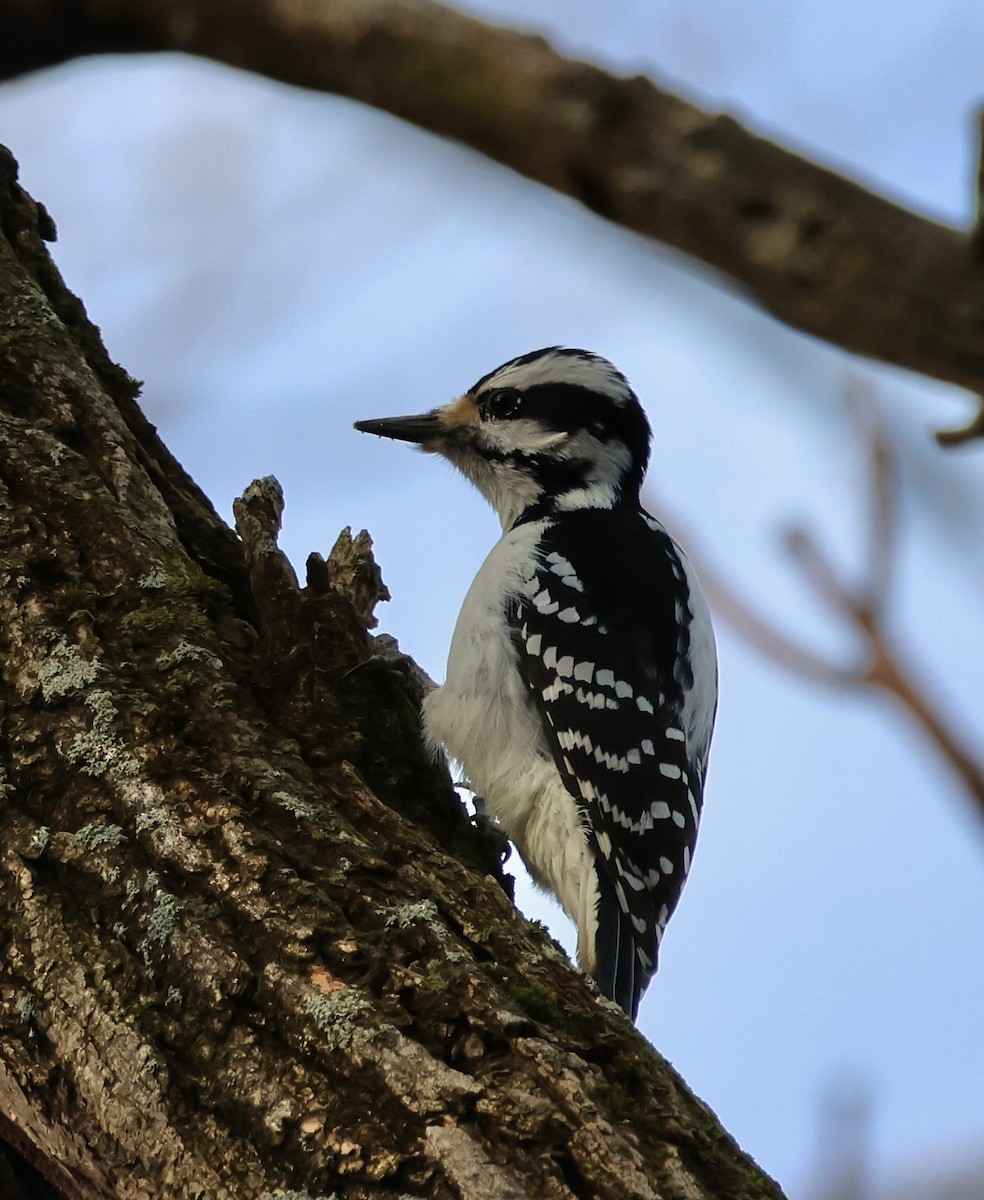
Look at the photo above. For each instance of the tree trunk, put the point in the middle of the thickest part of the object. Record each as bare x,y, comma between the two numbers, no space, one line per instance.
252,943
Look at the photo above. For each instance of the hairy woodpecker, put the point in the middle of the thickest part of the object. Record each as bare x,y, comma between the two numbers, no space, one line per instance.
582,678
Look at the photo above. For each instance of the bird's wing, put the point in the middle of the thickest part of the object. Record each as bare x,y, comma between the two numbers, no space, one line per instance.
604,645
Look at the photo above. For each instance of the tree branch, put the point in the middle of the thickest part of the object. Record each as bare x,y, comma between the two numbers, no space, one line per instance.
883,523
877,663
814,249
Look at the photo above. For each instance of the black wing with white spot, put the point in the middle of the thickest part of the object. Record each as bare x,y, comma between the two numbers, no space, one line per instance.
606,644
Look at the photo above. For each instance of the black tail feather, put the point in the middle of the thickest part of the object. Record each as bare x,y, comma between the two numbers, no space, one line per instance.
620,973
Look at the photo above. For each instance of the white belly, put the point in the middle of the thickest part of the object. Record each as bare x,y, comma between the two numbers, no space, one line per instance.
484,718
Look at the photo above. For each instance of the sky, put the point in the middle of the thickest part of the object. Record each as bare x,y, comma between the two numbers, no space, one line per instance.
276,264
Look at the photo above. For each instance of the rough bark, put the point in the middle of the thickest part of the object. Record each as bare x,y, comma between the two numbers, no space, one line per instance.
251,943
815,249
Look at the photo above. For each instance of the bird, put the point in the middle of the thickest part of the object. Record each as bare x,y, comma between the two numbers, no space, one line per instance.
581,684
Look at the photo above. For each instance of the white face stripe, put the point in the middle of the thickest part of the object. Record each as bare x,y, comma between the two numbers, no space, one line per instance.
554,366
524,436
609,462
507,486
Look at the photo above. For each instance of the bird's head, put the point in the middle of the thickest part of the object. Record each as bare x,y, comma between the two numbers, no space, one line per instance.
550,431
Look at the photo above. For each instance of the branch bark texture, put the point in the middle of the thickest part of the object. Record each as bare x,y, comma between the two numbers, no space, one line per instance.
251,945
811,247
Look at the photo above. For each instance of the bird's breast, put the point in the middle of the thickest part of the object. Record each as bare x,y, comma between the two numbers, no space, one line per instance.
483,715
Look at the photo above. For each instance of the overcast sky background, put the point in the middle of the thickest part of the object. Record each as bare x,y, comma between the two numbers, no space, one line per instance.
275,264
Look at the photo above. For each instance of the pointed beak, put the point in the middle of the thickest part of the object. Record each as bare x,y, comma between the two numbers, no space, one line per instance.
426,427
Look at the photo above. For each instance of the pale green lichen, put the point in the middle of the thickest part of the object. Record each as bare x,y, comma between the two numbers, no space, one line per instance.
98,749
39,841
173,996
152,817
25,1007
294,1195
163,919
425,912
65,671
549,949
337,1016
295,804
94,835
186,651
405,915
154,579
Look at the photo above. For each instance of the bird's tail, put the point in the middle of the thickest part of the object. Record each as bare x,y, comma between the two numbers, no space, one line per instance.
625,958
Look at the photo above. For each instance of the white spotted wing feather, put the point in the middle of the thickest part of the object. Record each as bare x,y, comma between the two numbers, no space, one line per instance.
618,656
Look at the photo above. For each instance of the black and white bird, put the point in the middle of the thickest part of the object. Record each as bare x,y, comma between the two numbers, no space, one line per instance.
582,678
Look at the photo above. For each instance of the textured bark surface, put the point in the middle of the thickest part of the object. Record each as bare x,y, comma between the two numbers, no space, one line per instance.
252,945
816,250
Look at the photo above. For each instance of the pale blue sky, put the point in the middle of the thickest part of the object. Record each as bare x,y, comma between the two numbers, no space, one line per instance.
276,264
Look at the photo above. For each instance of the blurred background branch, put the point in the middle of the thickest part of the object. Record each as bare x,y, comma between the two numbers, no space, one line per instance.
878,662
810,246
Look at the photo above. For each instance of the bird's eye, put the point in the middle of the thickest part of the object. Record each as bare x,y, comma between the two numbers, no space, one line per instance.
503,402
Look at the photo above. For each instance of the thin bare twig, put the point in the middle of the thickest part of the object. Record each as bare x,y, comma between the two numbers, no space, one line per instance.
877,663
971,432
758,630
883,524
